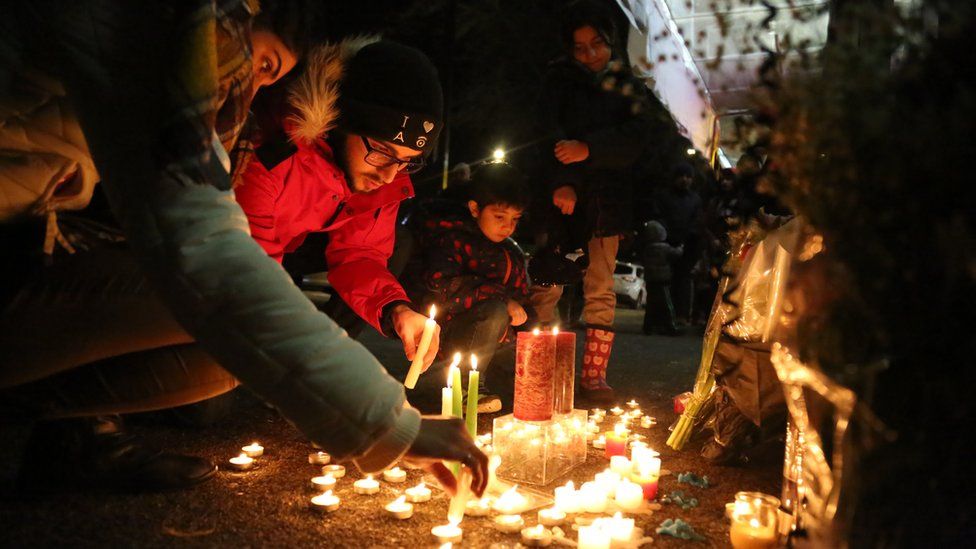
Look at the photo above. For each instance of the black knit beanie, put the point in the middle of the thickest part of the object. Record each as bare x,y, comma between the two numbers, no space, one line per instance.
391,92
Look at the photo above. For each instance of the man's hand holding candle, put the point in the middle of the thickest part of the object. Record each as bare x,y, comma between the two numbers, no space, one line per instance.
409,325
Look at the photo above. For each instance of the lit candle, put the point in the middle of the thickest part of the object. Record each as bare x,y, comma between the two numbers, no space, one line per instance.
567,499
600,442
418,359
647,474
319,458
325,503
418,494
485,438
629,496
399,508
754,521
323,483
621,529
598,412
641,456
593,536
366,486
620,465
241,462
752,534
478,507
447,533
447,393
647,422
609,481
471,414
593,497
253,450
632,404
616,410
395,474
536,536
459,502
338,471
551,516
510,502
616,441
456,393
509,524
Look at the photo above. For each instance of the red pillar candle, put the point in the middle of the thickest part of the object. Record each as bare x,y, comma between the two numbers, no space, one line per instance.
616,442
565,372
647,483
535,363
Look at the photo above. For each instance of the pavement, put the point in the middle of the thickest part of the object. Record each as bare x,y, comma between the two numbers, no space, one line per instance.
268,505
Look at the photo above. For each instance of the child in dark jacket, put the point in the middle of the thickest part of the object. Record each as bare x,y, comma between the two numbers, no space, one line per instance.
474,275
657,256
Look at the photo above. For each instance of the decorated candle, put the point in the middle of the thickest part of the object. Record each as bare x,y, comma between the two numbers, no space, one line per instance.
336,470
323,483
565,371
241,462
567,499
417,365
447,533
536,536
471,414
616,441
399,508
366,486
551,516
629,496
325,503
253,450
509,524
535,362
319,458
395,474
418,494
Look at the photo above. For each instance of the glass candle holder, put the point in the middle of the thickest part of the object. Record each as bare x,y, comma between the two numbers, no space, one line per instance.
754,521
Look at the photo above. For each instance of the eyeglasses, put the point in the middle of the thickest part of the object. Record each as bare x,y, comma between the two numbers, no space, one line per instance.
379,159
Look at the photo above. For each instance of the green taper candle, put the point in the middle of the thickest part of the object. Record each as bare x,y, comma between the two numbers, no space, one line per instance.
471,415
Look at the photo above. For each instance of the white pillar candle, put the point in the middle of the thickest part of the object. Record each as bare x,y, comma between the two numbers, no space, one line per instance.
551,517
447,533
418,494
620,465
241,462
629,496
325,503
609,481
593,497
253,450
509,524
536,536
478,507
395,474
319,458
399,508
366,486
336,470
593,537
418,359
323,483
567,500
600,442
621,529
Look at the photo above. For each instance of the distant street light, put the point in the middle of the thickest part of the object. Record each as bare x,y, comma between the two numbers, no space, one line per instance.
498,155
691,152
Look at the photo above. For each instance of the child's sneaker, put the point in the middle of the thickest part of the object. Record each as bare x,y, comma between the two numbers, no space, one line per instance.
489,404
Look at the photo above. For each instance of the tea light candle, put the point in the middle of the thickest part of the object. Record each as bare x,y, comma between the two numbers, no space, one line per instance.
754,521
253,450
609,481
484,438
399,508
616,410
509,524
616,441
593,497
752,534
647,422
477,507
338,471
510,502
447,533
319,458
598,412
632,404
366,486
637,437
621,529
629,496
536,536
395,474
551,517
593,536
241,462
620,465
600,442
636,413
325,503
567,499
418,494
323,483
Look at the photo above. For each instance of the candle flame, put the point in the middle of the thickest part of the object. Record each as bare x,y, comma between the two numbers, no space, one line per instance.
369,477
535,331
455,360
754,523
420,486
555,330
433,311
537,530
243,456
474,362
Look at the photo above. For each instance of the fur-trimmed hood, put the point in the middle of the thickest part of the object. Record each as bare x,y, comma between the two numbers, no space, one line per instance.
314,95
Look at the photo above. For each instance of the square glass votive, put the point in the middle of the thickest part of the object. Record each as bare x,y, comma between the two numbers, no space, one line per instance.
538,452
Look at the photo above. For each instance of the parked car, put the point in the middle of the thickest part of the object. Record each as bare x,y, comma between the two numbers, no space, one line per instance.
628,284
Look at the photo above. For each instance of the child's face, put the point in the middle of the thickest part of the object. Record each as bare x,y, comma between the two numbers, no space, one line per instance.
496,221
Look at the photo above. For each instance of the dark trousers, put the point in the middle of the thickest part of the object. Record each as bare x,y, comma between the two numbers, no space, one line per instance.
682,282
479,330
658,309
88,336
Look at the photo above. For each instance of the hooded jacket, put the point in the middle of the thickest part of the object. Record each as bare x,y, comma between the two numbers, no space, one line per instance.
296,187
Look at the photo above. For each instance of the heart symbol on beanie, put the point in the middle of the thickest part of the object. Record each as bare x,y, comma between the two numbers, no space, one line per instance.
428,126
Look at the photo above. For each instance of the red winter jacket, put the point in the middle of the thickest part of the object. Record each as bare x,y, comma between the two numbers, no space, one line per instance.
293,195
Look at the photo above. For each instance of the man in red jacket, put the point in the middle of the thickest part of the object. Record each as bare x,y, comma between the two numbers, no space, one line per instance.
362,116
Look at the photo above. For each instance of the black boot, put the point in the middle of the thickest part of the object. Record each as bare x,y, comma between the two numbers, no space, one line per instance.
97,454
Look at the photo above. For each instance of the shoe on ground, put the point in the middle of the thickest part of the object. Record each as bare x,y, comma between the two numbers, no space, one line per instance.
598,395
97,454
489,404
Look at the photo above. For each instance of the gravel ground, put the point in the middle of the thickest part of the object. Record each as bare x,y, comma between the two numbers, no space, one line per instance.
268,506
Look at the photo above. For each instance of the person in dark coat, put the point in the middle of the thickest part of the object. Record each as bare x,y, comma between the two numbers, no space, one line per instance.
474,274
597,119
656,256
